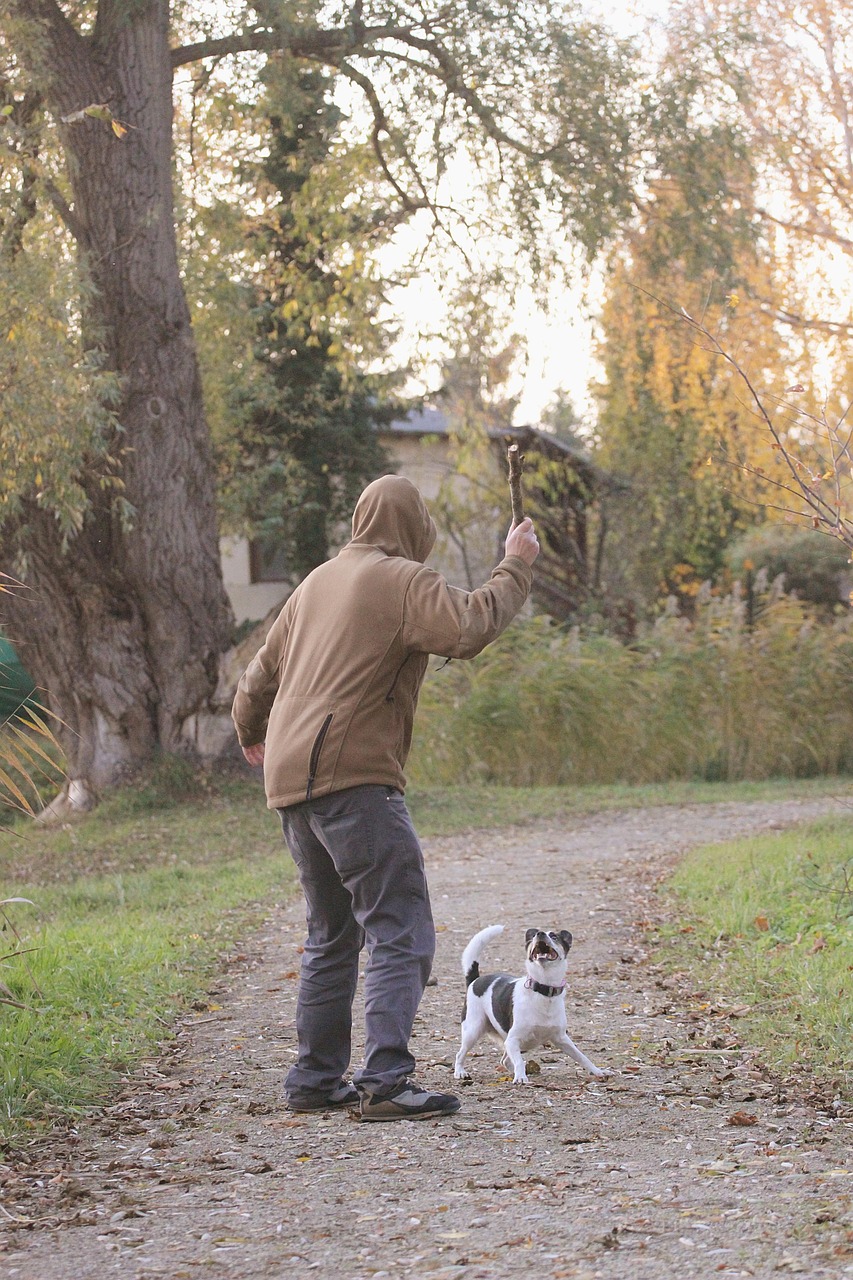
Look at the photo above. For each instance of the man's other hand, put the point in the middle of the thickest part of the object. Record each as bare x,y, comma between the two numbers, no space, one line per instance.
521,541
254,755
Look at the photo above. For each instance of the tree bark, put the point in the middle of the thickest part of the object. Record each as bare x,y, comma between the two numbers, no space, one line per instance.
126,627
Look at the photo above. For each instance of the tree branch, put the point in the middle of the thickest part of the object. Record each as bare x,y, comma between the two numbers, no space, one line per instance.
824,514
380,125
835,327
326,45
58,57
66,213
447,70
333,46
810,232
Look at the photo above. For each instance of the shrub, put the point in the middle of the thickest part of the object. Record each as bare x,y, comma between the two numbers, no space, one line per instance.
813,566
711,699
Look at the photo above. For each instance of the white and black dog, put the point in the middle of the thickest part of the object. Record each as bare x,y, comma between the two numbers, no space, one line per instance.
523,1013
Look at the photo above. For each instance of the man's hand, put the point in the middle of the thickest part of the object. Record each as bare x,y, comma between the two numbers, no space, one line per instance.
521,541
254,755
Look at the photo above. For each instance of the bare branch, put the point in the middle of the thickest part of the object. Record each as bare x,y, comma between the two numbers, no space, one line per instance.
66,213
380,126
824,514
810,231
837,328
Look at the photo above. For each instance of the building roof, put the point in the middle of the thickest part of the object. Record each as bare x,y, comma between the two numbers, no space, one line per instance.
429,420
426,420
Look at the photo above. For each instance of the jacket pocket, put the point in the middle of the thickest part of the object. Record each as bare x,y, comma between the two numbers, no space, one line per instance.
314,758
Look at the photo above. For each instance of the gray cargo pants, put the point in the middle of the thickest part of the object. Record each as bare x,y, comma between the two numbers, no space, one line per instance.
362,873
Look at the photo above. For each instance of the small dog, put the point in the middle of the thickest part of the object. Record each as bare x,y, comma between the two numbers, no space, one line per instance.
523,1013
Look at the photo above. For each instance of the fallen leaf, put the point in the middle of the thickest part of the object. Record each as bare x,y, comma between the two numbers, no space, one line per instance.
742,1118
719,1168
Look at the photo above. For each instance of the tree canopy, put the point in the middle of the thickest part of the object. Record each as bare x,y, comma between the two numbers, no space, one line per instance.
117,529
725,336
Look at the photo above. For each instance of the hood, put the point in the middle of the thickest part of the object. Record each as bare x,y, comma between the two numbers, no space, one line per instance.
392,515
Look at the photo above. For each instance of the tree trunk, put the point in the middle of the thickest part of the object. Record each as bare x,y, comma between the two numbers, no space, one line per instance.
125,628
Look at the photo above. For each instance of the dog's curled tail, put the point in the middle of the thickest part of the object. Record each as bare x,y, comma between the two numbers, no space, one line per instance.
471,954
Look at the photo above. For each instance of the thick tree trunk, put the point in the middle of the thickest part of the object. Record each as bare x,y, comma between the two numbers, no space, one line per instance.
126,627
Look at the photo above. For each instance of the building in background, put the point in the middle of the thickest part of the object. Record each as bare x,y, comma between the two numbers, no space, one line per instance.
471,510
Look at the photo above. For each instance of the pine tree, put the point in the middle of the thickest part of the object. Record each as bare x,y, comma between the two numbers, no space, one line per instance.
308,442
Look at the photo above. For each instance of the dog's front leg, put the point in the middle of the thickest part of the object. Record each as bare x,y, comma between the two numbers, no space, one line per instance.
566,1045
512,1050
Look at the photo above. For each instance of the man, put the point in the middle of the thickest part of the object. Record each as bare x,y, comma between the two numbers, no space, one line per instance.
327,706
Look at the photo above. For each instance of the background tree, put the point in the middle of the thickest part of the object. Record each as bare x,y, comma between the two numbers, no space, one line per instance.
782,74
811,566
470,507
688,446
128,628
783,79
560,482
305,441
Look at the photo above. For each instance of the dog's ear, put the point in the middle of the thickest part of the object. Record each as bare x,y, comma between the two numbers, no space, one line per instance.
529,936
566,939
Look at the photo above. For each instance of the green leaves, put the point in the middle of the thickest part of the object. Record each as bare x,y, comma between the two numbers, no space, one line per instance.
55,396
295,287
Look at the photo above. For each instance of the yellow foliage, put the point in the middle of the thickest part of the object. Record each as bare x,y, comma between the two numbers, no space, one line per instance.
675,424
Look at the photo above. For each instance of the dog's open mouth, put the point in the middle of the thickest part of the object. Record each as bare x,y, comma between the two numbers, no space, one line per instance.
542,950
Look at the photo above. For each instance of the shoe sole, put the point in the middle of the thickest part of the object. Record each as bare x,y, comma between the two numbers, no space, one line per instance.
408,1115
326,1106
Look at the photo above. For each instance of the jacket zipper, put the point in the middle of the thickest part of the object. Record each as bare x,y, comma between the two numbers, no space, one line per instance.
389,696
315,754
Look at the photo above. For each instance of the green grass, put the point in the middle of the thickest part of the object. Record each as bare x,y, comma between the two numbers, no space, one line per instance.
116,956
134,908
772,927
136,904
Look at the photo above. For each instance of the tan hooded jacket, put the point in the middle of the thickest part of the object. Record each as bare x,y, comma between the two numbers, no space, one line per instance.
334,689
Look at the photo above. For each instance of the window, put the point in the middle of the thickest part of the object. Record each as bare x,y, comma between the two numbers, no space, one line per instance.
268,561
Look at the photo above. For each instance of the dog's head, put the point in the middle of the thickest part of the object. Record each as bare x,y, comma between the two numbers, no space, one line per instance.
547,951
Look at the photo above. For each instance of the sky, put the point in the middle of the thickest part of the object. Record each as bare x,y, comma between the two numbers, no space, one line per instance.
559,341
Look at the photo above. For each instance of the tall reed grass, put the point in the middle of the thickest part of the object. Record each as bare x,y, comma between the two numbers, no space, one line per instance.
721,697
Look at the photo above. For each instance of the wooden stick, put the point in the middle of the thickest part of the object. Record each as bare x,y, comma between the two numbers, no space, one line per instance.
515,460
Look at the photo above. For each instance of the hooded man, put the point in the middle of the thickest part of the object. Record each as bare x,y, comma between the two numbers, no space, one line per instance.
327,706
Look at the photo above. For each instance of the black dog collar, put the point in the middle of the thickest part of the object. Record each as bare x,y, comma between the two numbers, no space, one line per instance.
542,990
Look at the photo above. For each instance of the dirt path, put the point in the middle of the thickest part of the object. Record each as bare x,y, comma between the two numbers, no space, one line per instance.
199,1172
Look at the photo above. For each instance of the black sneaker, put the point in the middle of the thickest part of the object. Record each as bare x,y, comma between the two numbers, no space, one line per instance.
407,1101
345,1095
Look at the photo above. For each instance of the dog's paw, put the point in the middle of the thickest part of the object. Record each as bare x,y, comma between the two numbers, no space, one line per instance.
600,1073
461,1074
520,1080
